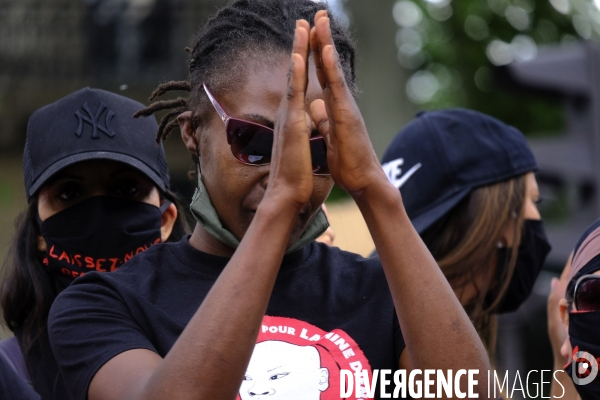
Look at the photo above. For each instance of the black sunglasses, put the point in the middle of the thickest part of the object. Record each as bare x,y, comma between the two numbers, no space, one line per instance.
586,295
252,143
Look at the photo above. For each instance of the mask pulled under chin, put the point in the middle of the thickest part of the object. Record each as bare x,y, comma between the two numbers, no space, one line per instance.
206,215
99,234
531,256
584,334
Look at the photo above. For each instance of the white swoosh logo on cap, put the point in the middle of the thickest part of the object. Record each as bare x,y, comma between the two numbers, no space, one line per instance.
407,175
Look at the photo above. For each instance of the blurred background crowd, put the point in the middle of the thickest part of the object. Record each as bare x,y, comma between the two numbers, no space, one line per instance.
534,64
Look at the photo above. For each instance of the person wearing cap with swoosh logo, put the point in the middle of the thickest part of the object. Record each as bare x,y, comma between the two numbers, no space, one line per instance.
467,181
98,193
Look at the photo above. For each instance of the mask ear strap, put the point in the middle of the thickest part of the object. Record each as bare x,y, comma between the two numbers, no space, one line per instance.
196,159
163,207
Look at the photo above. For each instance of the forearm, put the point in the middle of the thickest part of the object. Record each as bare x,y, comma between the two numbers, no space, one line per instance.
210,357
437,331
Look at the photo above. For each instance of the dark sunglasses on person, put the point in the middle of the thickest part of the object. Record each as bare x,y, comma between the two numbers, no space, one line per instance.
586,296
252,143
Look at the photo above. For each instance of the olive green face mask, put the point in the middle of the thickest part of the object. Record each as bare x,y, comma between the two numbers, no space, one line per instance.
206,215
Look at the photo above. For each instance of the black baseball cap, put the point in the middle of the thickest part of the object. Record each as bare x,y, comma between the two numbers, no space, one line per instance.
91,124
441,156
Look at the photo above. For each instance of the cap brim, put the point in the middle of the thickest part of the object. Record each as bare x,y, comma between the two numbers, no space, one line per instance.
96,155
429,217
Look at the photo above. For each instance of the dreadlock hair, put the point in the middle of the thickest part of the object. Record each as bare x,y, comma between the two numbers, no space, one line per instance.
239,35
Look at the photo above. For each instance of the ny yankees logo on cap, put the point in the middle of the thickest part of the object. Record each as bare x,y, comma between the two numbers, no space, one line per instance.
92,119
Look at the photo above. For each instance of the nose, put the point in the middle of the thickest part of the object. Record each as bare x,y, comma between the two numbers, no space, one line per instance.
98,192
261,392
265,181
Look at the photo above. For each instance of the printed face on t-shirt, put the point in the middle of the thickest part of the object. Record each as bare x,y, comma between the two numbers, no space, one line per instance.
280,370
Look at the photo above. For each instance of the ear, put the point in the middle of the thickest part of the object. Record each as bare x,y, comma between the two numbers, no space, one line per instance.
323,379
508,238
168,221
187,132
563,307
565,349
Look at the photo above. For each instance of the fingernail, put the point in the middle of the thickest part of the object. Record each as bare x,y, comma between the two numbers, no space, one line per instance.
553,283
297,23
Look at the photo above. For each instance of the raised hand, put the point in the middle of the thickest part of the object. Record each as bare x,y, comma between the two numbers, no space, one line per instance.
291,176
352,161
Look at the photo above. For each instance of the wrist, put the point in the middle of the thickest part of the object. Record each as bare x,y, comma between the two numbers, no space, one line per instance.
381,204
274,208
381,193
272,224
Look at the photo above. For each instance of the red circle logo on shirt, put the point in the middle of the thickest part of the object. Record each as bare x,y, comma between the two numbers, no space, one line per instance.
293,359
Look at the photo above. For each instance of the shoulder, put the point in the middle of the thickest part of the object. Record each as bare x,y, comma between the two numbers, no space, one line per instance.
157,270
159,255
105,289
147,263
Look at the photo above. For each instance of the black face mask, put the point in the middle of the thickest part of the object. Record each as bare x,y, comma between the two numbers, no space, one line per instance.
584,333
99,234
532,254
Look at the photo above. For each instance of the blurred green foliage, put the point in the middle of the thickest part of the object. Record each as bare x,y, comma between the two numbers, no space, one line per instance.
451,48
337,194
555,208
7,193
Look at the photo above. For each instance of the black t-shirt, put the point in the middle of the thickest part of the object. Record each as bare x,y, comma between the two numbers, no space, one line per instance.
327,305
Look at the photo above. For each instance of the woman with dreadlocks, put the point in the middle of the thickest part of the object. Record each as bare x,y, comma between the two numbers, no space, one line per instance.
250,304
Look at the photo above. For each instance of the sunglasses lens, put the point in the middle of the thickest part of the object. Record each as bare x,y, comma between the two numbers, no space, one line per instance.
318,152
588,295
250,143
253,144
